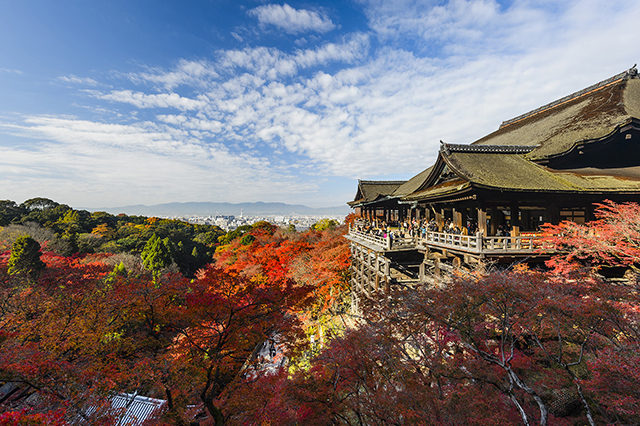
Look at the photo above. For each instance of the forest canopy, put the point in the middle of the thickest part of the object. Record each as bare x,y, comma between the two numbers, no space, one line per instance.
264,333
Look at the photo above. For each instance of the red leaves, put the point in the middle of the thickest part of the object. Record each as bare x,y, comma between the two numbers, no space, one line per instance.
27,418
611,240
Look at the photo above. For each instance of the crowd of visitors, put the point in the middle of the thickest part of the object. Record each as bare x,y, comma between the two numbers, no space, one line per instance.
415,228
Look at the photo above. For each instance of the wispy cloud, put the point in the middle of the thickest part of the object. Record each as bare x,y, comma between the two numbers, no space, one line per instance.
163,100
79,156
292,21
10,71
184,73
77,80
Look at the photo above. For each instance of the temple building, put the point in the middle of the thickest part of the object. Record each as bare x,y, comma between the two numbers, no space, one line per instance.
546,166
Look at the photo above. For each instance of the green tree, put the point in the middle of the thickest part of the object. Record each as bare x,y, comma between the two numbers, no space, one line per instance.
323,224
156,254
39,203
25,256
247,239
9,211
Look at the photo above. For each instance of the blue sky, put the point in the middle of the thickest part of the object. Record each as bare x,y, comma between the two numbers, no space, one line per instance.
110,103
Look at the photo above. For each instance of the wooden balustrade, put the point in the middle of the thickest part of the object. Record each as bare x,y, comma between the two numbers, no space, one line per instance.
476,244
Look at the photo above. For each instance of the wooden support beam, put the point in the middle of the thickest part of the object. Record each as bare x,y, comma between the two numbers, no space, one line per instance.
494,220
456,263
457,218
515,219
482,221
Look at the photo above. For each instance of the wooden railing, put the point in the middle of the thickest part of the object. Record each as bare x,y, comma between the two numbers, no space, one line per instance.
382,242
477,244
481,244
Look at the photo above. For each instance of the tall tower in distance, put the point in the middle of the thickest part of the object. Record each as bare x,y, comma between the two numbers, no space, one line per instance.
240,212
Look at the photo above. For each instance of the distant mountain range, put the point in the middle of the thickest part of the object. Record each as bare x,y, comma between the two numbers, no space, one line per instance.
207,209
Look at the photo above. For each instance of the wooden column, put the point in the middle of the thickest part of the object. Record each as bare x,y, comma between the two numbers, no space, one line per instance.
589,216
440,220
377,281
482,221
515,219
457,218
361,284
494,220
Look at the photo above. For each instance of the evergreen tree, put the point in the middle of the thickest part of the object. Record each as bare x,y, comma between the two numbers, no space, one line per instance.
156,254
25,256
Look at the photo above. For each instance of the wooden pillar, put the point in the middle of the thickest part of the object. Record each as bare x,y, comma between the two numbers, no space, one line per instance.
589,216
494,220
464,212
440,220
457,218
387,276
377,270
361,267
515,219
482,221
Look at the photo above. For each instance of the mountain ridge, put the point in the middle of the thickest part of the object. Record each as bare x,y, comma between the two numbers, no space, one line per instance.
211,209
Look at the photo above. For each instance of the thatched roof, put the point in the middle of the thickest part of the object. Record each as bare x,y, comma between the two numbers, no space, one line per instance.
589,114
461,168
374,190
412,184
591,135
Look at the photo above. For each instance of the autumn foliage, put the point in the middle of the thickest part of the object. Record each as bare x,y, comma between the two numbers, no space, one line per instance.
81,330
559,346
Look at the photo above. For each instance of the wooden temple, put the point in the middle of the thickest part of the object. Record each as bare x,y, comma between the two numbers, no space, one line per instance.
546,166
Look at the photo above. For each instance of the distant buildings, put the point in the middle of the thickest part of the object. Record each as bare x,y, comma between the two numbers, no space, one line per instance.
229,222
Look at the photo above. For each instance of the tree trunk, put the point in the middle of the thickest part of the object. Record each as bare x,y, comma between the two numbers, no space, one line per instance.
214,411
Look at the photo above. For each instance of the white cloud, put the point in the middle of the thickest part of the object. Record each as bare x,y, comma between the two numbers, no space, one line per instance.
163,100
10,71
292,21
77,80
272,63
144,163
184,73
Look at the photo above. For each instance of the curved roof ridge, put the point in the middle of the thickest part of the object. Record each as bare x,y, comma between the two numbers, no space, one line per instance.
448,148
383,182
630,73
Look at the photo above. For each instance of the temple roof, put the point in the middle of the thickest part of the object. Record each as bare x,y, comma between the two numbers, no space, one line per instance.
412,184
590,114
512,172
586,143
373,190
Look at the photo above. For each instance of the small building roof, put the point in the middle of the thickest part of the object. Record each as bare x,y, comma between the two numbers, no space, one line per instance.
374,190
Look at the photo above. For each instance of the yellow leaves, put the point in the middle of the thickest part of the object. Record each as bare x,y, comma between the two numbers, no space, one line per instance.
104,230
152,220
110,337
